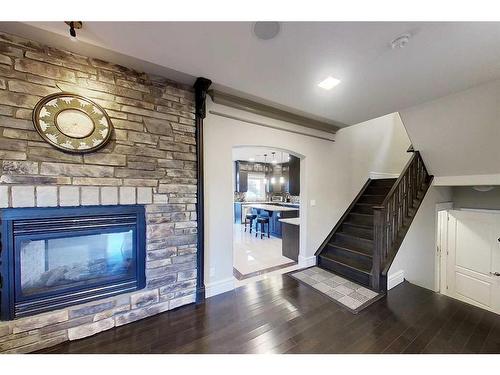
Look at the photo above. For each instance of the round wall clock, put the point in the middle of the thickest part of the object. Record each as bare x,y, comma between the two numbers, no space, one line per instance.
72,122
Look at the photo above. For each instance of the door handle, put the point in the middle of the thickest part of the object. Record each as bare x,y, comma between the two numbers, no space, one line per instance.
495,273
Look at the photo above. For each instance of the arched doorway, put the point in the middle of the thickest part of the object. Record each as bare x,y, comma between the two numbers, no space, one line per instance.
266,214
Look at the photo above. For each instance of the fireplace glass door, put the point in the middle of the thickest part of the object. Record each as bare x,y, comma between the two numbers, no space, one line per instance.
51,258
48,265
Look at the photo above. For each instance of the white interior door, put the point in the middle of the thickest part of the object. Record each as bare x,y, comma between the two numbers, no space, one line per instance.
474,258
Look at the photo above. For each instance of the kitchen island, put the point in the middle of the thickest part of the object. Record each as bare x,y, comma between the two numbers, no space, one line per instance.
290,238
276,213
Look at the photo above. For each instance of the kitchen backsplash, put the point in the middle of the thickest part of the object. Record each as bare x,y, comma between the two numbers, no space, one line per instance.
240,197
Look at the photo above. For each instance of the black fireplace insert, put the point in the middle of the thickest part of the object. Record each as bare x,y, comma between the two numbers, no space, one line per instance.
51,258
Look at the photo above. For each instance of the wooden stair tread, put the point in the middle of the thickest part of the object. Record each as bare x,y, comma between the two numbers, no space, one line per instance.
347,263
352,236
350,249
363,226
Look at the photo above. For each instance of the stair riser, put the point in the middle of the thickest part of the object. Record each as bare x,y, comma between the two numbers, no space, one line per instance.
382,183
352,274
360,219
356,231
376,190
362,209
343,253
371,199
354,242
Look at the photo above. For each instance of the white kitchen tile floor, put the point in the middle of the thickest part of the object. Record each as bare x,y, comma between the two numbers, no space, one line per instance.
252,255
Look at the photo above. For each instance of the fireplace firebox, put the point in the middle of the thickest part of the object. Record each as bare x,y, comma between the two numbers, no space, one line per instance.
52,258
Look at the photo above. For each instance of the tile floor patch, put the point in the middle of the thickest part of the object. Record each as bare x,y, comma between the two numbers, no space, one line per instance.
322,287
345,292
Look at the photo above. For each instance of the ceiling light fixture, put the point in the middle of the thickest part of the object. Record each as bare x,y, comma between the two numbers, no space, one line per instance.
251,159
73,26
266,30
274,161
329,83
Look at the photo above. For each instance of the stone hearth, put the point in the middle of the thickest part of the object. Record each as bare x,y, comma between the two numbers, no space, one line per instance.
150,160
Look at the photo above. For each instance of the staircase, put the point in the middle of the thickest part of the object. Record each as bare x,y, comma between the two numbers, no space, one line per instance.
364,242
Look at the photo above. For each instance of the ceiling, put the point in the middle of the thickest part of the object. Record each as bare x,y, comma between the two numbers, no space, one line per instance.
441,58
257,153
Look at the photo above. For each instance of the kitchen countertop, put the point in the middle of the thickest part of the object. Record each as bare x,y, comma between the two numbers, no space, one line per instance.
292,221
270,207
268,202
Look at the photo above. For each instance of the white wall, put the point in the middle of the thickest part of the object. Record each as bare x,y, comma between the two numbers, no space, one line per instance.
416,256
375,146
458,134
317,183
331,175
467,197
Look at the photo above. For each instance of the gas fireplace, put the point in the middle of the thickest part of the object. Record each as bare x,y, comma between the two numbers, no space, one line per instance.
52,258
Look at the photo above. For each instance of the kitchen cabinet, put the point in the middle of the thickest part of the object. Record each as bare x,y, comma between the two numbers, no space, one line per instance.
294,175
277,172
241,177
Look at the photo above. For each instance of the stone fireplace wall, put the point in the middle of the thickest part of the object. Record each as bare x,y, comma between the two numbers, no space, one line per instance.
150,160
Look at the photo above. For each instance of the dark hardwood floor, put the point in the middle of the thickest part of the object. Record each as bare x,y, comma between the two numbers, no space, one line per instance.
280,315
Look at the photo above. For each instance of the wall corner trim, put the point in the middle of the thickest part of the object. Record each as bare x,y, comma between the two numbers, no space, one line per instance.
307,261
395,279
219,287
200,86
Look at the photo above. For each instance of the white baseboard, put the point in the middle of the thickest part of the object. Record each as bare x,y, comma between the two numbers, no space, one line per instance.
218,287
307,261
395,279
379,175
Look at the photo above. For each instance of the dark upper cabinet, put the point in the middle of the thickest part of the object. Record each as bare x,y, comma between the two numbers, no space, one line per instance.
241,178
294,175
289,173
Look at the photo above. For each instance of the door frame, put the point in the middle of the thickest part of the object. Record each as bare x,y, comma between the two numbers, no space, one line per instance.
441,247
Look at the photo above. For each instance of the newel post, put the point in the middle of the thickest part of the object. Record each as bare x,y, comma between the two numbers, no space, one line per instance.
378,245
200,90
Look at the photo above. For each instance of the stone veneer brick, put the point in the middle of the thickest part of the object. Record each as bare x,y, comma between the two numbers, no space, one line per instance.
150,160
90,196
46,196
4,196
23,196
69,196
109,195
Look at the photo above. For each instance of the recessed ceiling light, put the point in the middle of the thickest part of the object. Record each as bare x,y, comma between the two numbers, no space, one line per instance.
329,83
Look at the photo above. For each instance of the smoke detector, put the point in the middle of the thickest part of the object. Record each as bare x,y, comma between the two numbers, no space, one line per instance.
266,30
401,41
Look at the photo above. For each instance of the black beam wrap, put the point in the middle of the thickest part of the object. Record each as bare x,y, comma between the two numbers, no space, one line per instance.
201,87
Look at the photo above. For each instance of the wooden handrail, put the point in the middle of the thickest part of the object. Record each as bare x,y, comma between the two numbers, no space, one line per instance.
400,178
393,217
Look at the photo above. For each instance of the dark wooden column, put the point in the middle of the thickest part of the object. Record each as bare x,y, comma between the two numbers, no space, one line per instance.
200,86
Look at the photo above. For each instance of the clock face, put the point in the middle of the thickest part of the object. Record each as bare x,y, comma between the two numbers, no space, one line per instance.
72,122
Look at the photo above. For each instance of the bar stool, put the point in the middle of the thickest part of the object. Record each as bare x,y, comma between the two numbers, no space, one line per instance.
262,220
250,217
